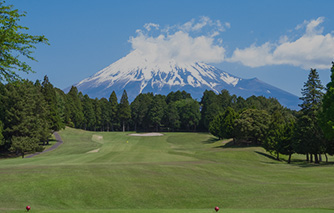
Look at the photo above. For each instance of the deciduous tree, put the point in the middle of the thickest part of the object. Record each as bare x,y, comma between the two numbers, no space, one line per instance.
14,43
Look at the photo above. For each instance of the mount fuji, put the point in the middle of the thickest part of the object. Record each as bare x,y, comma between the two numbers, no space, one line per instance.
137,74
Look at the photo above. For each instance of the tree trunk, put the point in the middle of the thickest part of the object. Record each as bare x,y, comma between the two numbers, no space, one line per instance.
307,158
112,127
311,158
326,158
277,156
289,160
320,158
316,160
123,126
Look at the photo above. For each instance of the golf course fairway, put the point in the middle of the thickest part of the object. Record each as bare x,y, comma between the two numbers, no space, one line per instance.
174,173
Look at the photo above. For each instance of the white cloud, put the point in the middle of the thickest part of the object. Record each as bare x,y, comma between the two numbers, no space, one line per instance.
185,43
148,26
311,50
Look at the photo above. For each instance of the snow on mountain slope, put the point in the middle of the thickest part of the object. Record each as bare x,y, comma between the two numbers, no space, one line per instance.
136,74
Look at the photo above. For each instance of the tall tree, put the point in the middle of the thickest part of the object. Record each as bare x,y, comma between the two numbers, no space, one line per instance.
222,125
98,114
89,115
189,113
25,116
50,97
252,125
75,107
139,110
276,133
14,43
327,114
171,117
156,111
105,114
124,110
113,110
210,108
308,122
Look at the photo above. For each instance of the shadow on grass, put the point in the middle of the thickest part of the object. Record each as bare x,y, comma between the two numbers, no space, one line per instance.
230,144
211,140
294,162
266,155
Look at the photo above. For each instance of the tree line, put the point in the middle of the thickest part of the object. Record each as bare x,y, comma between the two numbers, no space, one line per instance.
309,131
31,112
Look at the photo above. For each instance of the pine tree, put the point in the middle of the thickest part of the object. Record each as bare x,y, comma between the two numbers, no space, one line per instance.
105,114
89,115
50,97
124,110
98,114
75,107
222,125
171,117
139,110
308,122
113,110
327,114
156,111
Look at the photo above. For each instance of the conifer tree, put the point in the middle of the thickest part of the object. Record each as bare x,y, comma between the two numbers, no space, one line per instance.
75,107
222,125
49,94
98,114
156,111
124,110
113,110
89,115
327,114
308,122
105,114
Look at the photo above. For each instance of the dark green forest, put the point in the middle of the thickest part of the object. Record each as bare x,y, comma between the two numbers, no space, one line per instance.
32,111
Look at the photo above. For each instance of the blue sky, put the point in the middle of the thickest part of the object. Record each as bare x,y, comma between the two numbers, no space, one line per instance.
275,41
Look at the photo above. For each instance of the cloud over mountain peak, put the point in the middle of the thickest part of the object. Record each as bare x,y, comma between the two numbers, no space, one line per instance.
193,41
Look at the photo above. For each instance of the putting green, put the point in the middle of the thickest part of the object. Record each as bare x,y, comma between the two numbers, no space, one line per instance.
176,172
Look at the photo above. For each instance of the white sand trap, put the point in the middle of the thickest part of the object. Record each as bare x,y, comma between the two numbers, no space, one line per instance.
94,151
97,137
147,134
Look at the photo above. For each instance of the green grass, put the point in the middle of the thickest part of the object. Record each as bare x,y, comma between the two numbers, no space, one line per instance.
177,172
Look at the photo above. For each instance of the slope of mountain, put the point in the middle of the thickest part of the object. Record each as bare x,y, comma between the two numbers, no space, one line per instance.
136,74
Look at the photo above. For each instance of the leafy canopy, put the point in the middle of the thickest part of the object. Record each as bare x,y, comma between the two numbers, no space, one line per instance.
15,43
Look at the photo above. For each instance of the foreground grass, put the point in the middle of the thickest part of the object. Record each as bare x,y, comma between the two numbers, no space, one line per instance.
177,172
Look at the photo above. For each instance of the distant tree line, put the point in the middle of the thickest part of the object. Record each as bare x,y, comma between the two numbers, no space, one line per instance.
31,112
280,131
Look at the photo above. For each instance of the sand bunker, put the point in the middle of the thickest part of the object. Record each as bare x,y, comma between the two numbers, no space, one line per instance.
97,137
147,134
94,151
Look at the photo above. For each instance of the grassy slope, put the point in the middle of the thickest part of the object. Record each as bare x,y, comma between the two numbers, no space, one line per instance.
174,172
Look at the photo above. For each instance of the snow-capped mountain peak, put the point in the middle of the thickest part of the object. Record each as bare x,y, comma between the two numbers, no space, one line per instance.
136,68
137,74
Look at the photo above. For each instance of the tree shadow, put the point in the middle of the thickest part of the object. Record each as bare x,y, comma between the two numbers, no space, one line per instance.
266,155
294,162
232,144
211,140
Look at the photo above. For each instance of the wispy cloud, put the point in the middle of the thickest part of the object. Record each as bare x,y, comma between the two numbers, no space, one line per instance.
193,41
311,50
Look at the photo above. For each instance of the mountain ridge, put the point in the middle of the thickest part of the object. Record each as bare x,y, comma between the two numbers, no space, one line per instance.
137,74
